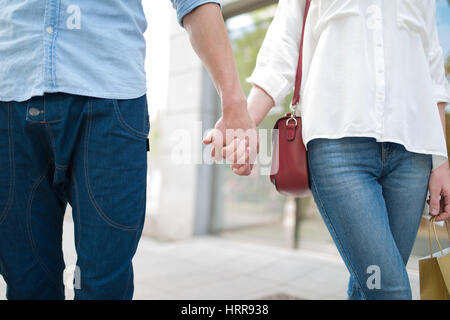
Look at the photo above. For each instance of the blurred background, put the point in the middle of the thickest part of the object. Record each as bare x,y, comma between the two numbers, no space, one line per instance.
192,199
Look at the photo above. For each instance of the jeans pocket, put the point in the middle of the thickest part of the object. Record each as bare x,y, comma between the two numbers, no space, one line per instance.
6,160
115,168
132,115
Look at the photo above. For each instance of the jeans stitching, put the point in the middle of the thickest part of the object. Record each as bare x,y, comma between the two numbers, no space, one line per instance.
11,168
138,233
338,242
77,203
128,282
30,231
131,265
52,138
123,122
88,185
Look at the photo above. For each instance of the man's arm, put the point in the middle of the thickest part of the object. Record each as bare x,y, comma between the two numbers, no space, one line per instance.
210,40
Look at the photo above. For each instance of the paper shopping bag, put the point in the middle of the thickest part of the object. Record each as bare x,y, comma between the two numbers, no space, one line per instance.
434,271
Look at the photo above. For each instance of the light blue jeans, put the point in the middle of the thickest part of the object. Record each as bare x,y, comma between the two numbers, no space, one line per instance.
371,196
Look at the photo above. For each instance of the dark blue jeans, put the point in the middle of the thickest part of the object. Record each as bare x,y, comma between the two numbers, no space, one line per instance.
371,196
91,153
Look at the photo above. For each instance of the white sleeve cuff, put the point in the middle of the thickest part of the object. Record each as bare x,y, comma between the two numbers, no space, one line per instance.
272,82
442,93
438,160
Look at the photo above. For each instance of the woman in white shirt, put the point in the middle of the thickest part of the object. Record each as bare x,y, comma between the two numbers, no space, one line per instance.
373,94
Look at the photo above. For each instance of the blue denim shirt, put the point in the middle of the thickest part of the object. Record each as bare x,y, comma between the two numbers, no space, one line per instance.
84,47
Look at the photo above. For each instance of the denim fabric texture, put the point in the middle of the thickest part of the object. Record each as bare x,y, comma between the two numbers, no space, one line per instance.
90,153
371,196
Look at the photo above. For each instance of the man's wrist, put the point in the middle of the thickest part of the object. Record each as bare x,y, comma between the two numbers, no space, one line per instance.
233,104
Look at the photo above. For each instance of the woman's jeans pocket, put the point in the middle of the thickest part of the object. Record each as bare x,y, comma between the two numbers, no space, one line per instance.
116,160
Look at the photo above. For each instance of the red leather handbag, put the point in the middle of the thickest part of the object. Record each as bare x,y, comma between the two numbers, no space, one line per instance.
289,171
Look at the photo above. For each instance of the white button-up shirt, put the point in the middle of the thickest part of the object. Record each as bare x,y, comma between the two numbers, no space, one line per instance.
371,68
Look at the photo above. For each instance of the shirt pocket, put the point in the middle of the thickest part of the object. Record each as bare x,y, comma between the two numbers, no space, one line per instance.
331,11
411,16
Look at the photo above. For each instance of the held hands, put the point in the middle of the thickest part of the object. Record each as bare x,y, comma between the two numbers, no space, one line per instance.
240,147
439,187
235,137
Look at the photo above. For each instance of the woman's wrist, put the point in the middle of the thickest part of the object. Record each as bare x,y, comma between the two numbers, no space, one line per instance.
444,167
259,104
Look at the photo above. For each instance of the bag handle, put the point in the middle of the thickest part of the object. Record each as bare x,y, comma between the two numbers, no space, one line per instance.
298,77
432,224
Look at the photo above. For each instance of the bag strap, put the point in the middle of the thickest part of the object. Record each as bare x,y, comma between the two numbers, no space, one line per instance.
432,225
298,77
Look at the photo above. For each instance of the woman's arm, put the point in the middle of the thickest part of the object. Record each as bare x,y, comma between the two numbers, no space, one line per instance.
277,60
274,74
439,183
441,107
259,104
435,54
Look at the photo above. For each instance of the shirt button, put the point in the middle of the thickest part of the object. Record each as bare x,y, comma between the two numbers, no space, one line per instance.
34,112
49,30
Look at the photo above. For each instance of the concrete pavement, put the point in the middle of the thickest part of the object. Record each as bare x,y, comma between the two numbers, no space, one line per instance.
217,268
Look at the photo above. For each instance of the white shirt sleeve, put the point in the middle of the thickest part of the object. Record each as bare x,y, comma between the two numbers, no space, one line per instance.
277,60
436,59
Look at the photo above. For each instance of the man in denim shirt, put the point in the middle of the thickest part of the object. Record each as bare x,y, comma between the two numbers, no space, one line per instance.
73,129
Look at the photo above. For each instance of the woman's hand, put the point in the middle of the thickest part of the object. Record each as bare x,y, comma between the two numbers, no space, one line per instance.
239,149
259,104
439,186
235,126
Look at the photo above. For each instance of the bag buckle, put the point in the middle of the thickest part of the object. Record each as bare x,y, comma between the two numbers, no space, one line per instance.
293,108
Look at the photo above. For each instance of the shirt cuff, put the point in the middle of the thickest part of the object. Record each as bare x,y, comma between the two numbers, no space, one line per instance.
438,160
185,7
271,82
442,93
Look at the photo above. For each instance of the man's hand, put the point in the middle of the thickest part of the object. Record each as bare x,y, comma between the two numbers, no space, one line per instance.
439,187
235,138
259,105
